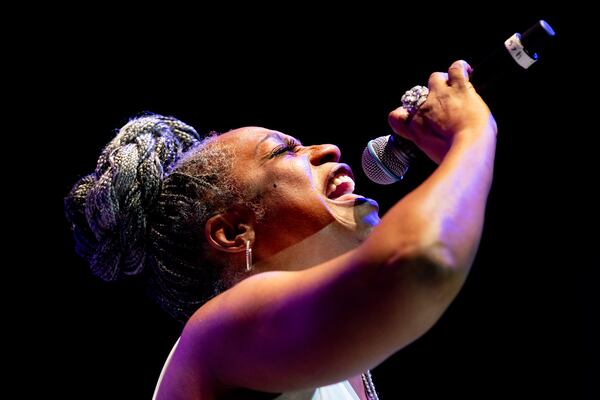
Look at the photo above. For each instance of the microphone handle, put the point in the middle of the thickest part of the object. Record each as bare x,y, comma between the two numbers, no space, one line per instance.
518,53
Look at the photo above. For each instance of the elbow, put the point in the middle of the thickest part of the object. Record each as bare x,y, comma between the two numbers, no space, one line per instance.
427,253
432,261
447,249
440,257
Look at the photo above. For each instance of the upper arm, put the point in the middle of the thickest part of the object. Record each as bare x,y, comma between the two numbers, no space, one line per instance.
282,331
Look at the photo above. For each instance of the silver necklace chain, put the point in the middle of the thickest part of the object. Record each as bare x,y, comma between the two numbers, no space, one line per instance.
369,386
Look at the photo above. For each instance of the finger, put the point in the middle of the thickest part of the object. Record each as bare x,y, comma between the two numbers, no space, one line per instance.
437,80
458,73
399,121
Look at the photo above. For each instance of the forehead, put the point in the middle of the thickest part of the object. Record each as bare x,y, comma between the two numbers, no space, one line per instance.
248,144
248,133
249,139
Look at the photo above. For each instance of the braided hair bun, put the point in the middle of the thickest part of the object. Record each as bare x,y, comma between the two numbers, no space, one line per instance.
108,208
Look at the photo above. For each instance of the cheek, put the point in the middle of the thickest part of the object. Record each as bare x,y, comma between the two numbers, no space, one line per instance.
293,199
290,176
291,192
294,188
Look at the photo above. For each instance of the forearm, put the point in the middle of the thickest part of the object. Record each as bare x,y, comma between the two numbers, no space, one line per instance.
456,196
442,219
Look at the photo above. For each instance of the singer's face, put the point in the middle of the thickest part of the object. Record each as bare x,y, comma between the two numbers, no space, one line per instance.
303,188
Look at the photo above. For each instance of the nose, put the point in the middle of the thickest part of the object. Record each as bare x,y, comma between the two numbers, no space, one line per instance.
323,153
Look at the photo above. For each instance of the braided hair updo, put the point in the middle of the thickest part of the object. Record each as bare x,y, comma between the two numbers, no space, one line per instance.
143,210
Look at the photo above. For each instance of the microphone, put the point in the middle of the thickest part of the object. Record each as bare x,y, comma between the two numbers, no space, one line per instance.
386,159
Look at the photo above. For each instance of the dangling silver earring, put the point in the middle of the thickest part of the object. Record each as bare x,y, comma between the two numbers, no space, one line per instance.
248,256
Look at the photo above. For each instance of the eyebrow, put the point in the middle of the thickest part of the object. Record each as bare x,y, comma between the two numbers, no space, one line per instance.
271,134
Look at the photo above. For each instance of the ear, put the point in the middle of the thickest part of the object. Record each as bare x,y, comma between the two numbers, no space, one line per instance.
229,232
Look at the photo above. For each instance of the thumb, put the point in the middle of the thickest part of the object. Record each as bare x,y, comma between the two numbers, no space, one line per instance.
399,121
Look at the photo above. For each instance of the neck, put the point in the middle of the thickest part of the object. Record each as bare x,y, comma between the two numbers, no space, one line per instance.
330,242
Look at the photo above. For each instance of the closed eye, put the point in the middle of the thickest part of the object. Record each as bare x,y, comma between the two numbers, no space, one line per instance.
289,146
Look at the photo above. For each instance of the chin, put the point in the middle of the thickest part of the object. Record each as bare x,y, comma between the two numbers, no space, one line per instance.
356,213
368,212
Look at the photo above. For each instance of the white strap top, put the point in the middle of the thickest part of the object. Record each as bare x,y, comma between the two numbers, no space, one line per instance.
337,391
164,368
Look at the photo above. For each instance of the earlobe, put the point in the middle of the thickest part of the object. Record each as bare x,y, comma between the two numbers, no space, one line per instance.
227,233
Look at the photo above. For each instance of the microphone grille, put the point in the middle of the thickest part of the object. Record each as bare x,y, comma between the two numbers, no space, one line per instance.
386,159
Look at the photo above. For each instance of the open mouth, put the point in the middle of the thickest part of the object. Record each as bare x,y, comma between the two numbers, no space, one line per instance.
340,183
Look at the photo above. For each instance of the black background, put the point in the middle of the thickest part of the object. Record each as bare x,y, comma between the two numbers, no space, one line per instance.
521,324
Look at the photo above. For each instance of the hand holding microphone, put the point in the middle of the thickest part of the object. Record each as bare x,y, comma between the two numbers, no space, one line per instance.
386,159
452,108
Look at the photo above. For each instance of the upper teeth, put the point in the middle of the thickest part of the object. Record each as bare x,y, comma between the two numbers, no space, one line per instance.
338,181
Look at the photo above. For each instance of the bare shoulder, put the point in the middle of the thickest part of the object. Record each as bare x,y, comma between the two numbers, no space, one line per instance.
208,333
227,315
